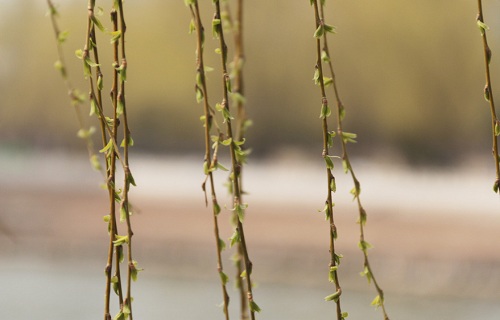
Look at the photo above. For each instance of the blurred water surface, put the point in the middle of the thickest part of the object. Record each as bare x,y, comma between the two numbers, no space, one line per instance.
53,241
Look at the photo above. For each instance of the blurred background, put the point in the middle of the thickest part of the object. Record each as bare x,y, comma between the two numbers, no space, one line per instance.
411,76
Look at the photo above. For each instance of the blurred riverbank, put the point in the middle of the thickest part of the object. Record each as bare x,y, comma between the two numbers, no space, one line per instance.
434,235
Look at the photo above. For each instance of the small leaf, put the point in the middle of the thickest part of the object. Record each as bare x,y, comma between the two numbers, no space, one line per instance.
199,94
325,111
220,166
94,162
79,53
316,76
130,142
97,23
115,36
123,213
227,142
240,211
254,307
120,240
377,302
243,274
319,31
366,273
126,310
116,286
84,134
349,137
329,162
216,208
324,56
337,258
327,81
333,297
341,112
119,316
121,256
223,277
487,93
364,246
329,28
482,26
362,216
345,165
91,63
332,273
333,185
235,238
355,192
107,147
93,107
192,27
62,36
215,27
134,270
222,245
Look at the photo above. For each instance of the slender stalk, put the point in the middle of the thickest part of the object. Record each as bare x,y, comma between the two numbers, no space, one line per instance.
127,142
488,94
208,163
236,156
242,122
76,98
325,113
368,272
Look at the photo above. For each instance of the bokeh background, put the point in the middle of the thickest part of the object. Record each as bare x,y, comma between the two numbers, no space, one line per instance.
411,76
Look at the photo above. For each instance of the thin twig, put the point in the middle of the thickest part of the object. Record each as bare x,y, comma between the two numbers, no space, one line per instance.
368,272
488,94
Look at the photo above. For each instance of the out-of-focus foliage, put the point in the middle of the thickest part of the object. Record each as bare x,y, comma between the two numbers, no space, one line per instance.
410,74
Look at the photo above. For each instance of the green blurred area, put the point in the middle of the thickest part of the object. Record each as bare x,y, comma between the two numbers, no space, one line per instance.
410,74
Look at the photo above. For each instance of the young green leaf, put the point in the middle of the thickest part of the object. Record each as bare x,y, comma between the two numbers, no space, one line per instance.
482,26
254,307
120,240
115,36
349,137
223,277
222,245
329,28
107,147
487,93
319,31
329,162
362,216
366,273
134,270
325,111
116,285
333,297
62,36
235,238
119,316
377,302
97,23
94,162
332,273
364,246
